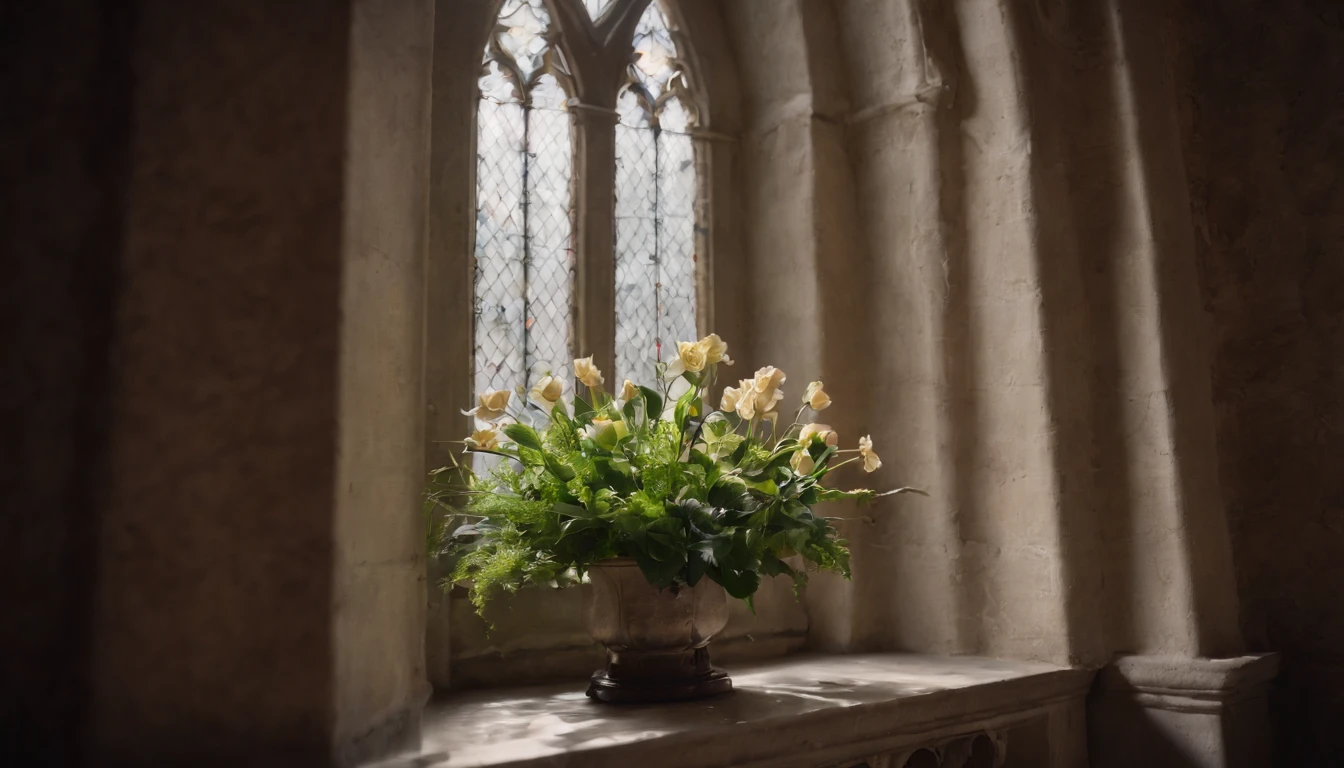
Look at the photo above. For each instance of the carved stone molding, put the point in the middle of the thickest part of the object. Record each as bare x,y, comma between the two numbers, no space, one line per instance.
986,749
1163,711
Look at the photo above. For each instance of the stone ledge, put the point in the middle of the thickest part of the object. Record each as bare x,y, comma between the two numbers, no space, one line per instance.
804,710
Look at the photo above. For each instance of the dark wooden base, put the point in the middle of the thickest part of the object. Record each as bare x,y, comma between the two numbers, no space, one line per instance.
635,677
604,688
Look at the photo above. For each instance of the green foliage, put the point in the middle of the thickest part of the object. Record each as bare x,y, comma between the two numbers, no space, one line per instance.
688,497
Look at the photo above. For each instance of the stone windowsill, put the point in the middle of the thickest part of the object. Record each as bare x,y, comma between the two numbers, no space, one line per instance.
804,710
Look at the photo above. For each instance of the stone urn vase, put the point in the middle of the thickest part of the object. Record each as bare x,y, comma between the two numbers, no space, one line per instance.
656,640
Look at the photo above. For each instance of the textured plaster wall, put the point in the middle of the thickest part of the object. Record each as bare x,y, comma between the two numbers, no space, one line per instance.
1265,120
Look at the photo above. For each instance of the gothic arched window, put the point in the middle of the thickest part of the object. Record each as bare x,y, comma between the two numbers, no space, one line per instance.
525,256
524,236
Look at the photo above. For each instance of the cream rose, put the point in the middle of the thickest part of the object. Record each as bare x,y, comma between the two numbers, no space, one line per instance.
492,405
486,439
547,391
870,460
586,372
691,356
766,385
823,431
815,397
629,391
741,399
802,463
715,349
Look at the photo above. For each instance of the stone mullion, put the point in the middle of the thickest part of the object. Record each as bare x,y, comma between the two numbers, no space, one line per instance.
595,228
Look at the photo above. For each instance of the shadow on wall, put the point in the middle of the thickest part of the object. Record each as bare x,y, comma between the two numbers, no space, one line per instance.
1265,148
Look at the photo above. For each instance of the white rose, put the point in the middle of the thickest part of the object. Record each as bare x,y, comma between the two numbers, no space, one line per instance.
487,438
823,431
767,387
691,356
741,399
586,372
547,391
492,405
629,391
802,463
870,460
715,349
815,397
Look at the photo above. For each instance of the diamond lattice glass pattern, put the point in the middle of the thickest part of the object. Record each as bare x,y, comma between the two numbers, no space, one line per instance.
524,254
499,246
676,236
656,193
549,253
636,254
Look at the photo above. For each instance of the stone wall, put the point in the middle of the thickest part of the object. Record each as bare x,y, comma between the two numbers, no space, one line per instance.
213,567
1265,122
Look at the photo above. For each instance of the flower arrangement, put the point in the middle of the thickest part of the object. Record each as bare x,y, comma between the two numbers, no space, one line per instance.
687,491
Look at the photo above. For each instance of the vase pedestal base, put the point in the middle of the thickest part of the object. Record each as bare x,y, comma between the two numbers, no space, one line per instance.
642,678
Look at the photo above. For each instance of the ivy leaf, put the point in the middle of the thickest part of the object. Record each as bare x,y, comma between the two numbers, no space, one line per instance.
524,436
659,573
653,403
738,583
562,472
581,408
729,492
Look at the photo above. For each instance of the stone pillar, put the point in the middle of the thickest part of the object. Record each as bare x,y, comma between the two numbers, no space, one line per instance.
242,191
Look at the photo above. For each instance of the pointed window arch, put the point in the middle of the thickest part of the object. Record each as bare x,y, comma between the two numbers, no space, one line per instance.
656,202
524,234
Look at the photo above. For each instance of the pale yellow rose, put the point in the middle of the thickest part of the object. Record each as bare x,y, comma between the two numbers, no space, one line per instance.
547,391
629,391
487,438
802,463
586,372
870,460
715,349
823,431
741,399
815,397
691,356
731,397
767,387
492,405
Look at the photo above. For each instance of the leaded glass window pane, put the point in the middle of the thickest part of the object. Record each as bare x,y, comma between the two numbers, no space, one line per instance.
656,192
524,240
